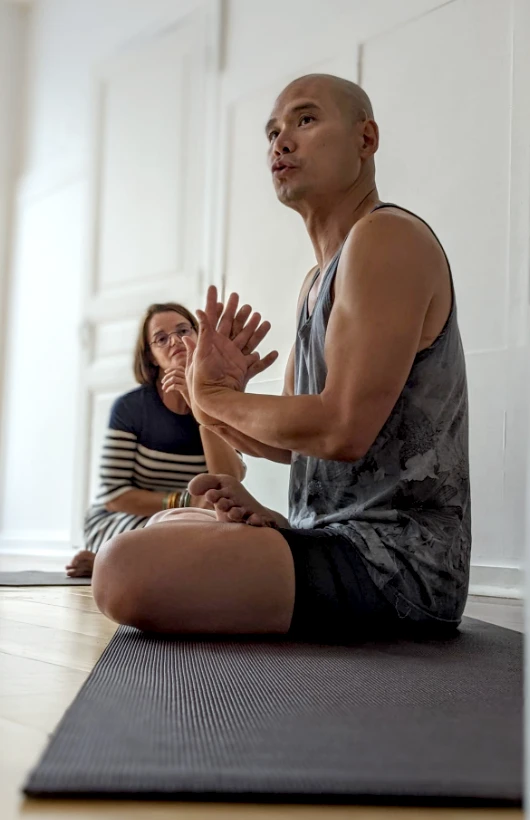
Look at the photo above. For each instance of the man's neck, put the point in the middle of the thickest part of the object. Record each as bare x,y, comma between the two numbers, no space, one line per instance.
328,224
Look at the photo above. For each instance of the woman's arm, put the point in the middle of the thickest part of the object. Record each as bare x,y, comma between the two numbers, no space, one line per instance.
117,492
137,502
220,456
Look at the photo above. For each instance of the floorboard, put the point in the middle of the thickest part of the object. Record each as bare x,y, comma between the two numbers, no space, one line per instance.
50,639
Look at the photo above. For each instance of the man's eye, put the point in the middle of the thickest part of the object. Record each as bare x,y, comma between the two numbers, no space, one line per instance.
306,118
272,136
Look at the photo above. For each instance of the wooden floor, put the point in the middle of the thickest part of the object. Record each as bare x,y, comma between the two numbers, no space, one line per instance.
50,639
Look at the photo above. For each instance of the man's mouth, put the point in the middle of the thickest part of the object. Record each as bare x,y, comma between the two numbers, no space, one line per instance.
280,168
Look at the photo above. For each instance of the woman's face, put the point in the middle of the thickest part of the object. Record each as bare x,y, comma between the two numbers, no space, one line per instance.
165,332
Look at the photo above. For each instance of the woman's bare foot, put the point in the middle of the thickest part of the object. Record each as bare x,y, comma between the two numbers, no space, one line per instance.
81,565
233,503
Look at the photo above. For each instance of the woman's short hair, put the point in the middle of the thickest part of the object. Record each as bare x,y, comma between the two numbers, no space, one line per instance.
145,370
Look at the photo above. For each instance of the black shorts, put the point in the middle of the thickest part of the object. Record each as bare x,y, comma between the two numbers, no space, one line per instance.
335,598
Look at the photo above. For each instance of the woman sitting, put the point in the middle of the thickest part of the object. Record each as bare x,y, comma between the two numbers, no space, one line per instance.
153,446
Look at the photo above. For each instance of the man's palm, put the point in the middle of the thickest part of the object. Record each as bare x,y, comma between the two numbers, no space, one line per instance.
218,361
223,357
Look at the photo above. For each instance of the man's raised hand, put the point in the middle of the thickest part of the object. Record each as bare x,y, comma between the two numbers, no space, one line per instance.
243,327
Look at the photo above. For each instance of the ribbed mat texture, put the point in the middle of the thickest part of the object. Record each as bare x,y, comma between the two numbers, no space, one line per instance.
430,722
35,578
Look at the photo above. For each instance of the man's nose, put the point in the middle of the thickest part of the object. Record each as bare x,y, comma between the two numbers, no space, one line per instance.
283,145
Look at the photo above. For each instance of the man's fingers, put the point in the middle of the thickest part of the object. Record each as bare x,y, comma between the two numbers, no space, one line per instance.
211,306
240,320
257,338
204,326
260,365
252,336
227,319
190,346
243,328
245,334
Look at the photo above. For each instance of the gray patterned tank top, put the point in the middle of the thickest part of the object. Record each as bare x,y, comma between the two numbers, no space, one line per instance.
405,506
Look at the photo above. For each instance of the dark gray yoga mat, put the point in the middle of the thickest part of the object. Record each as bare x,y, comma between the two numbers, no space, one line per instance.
35,578
430,722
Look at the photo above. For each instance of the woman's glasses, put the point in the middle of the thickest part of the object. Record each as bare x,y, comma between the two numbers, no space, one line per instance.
163,339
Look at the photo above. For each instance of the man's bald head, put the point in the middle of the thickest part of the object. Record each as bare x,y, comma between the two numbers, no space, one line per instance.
322,138
350,97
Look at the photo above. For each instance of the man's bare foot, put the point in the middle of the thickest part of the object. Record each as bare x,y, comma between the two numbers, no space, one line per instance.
233,503
81,565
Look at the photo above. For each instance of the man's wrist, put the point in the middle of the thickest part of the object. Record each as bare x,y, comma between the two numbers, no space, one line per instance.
212,401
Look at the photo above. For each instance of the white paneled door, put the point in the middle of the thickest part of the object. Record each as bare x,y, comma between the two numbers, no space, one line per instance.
147,212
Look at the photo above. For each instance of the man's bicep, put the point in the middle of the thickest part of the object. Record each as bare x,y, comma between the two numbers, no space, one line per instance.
374,331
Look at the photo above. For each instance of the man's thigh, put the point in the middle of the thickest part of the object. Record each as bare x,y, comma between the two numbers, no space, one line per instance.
197,577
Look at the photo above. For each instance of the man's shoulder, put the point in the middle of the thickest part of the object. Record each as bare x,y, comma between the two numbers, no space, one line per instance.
395,224
394,237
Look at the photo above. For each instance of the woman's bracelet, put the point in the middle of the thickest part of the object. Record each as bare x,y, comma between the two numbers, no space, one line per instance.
185,499
172,500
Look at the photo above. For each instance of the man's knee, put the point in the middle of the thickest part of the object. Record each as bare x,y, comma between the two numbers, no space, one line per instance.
116,580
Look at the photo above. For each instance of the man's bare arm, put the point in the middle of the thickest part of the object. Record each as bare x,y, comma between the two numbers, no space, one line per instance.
253,447
382,294
249,446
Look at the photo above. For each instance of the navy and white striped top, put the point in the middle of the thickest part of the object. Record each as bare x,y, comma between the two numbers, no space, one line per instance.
148,447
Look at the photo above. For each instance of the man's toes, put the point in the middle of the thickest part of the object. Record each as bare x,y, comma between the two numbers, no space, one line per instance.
213,496
257,520
237,514
202,483
223,504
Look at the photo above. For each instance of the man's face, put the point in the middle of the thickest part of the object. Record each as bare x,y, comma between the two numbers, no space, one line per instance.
313,144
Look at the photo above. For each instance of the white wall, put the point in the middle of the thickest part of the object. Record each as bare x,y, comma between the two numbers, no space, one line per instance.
12,63
442,120
433,77
67,43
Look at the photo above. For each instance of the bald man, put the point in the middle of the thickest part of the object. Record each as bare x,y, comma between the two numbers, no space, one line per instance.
373,421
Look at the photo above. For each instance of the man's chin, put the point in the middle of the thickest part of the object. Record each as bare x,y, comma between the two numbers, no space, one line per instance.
289,196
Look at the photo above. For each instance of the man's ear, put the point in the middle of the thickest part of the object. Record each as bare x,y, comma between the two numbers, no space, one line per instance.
369,138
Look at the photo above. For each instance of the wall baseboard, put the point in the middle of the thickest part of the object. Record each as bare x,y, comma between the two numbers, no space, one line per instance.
490,581
497,581
56,545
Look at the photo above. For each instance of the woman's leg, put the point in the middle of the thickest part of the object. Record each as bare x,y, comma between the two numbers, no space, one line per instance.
99,526
80,566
